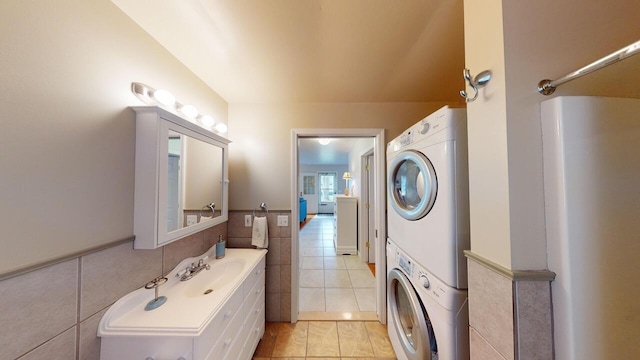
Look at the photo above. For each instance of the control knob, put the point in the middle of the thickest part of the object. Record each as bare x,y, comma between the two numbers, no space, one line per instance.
425,281
425,128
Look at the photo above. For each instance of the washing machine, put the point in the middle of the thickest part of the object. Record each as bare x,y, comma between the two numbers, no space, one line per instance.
426,318
428,194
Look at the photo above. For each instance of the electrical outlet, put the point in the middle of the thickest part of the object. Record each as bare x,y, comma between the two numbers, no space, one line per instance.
247,220
283,220
192,219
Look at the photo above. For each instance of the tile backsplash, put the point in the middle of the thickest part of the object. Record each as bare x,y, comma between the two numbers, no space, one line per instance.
278,272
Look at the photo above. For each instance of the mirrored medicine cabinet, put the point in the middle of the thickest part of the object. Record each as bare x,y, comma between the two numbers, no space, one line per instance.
181,178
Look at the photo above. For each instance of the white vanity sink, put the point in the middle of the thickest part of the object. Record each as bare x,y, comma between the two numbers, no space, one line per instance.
221,274
219,313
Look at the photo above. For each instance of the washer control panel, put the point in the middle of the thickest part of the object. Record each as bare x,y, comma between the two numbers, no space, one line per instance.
425,282
405,263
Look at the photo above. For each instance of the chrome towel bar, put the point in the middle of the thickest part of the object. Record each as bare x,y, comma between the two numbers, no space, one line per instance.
547,87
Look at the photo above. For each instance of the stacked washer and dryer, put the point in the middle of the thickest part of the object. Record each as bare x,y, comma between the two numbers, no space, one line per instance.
428,229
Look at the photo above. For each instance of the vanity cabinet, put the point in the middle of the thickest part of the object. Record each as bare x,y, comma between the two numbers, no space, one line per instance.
232,333
345,217
180,178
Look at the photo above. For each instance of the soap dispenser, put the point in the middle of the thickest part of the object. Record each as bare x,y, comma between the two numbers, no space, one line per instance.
220,247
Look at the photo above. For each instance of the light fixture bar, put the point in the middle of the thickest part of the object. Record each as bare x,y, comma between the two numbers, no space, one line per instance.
164,98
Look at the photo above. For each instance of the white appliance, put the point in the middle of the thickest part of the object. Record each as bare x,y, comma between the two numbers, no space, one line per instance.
428,194
428,320
591,152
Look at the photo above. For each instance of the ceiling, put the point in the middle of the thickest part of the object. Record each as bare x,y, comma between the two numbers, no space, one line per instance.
256,51
336,152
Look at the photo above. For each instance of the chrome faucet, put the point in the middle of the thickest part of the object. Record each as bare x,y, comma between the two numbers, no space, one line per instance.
193,270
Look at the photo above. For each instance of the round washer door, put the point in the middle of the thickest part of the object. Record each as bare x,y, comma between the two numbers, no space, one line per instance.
409,319
412,185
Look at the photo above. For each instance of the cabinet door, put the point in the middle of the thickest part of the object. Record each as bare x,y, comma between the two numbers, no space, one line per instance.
346,218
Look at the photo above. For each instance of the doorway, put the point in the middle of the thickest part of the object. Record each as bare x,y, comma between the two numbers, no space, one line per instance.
328,186
378,175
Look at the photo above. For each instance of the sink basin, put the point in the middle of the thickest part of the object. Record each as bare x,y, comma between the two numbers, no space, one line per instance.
212,280
190,305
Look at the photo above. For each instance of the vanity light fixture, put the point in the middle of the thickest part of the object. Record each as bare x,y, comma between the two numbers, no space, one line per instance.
166,100
324,141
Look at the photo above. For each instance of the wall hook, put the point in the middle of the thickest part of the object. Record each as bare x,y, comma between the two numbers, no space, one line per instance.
479,81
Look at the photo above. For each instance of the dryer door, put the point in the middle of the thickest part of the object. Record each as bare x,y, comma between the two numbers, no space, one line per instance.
409,318
412,185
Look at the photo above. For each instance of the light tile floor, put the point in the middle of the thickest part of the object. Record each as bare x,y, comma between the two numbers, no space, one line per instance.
330,282
325,340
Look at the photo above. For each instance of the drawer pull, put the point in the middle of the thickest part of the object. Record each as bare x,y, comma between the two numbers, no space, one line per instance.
227,314
227,342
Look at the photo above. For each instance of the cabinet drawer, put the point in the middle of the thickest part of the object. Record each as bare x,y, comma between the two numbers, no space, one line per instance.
254,334
253,295
253,308
226,339
256,274
117,348
218,324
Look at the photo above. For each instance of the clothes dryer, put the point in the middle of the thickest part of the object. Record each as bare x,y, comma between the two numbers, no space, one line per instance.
428,194
427,319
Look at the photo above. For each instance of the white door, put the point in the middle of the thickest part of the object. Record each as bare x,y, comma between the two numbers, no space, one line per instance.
328,184
308,190
409,320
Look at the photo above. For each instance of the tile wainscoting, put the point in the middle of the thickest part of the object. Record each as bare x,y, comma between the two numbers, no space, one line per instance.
278,272
510,315
53,312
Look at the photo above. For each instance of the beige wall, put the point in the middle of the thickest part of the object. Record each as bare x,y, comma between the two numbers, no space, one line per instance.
541,40
487,131
67,155
260,154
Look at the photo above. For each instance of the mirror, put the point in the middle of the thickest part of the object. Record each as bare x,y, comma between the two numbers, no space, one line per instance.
181,178
194,181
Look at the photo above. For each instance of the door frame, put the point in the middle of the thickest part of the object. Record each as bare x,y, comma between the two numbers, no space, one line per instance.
367,200
380,218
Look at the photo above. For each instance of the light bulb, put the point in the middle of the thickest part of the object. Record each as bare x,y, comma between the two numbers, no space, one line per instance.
221,128
189,111
324,141
164,97
207,121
